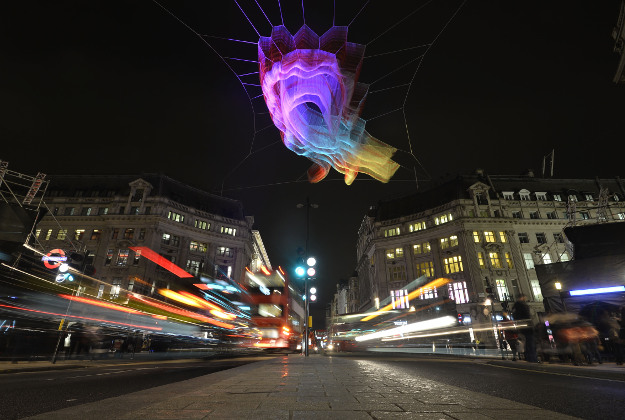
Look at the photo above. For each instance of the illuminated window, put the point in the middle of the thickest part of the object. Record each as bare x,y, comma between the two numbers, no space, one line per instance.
115,288
564,257
572,197
489,236
202,224
495,262
444,243
443,219
103,211
129,233
69,211
615,197
509,260
502,236
78,234
176,217
584,215
166,239
87,211
524,195
524,238
449,242
391,232
502,290
134,210
589,197
423,248
222,251
480,260
458,292
536,290
62,234
131,284
399,252
135,261
529,260
541,196
95,235
109,257
122,257
508,195
193,267
48,234
428,293
621,216
453,264
416,226
399,299
424,269
397,272
476,236
101,291
198,246
557,197
37,233
546,258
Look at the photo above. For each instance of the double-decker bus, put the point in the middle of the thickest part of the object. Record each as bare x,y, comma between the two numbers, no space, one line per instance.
270,301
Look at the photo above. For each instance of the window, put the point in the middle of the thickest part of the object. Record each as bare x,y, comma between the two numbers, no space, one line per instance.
228,231
557,197
444,243
166,239
115,233
558,238
589,197
87,211
443,219
135,261
95,234
62,234
502,236
122,209
201,224
534,215
584,215
391,232
48,234
480,260
572,197
109,257
424,269
196,246
134,210
399,299
552,215
117,284
541,238
129,233
101,291
541,196
176,217
78,234
529,260
449,242
517,215
508,195
193,267
416,226
495,262
103,211
69,211
428,293
502,290
397,273
546,258
131,284
564,257
621,216
509,260
175,240
524,238
122,257
458,292
453,264
536,290
489,236
37,233
524,195
423,248
141,234
476,236
148,210
615,197
138,195
222,251
481,198
55,211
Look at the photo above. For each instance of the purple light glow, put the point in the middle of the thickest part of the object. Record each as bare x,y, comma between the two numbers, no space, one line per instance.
311,88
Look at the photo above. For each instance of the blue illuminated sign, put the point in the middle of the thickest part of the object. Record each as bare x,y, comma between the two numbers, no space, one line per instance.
584,292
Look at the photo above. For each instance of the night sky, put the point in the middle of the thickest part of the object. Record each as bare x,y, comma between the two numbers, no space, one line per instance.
125,87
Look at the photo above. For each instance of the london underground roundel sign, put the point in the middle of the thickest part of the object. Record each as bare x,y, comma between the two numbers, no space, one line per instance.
54,258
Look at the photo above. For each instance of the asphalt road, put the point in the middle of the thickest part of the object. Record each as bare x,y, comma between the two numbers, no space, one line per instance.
563,391
29,393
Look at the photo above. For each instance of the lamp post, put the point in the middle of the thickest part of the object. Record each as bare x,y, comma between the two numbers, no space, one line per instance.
310,262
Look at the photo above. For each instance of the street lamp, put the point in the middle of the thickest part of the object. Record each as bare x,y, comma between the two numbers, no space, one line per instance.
310,262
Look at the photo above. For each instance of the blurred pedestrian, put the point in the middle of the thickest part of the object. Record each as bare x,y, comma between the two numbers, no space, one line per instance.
512,337
521,312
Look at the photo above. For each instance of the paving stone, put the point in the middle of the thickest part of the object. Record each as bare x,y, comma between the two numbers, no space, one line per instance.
332,415
384,415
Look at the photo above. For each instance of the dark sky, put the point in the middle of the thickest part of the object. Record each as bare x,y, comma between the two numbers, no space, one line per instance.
125,87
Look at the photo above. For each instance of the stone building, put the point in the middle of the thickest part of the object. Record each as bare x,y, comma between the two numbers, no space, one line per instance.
480,232
104,217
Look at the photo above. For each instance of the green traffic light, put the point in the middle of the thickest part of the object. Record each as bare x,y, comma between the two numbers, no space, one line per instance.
299,271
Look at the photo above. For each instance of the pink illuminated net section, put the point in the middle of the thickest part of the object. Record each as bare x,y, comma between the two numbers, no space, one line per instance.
310,85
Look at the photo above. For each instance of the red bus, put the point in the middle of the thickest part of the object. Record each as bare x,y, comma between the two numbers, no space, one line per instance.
269,298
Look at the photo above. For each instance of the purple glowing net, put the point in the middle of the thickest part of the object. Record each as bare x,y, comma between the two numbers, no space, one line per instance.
311,88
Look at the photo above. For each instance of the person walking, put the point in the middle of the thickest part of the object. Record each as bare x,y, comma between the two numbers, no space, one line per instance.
521,312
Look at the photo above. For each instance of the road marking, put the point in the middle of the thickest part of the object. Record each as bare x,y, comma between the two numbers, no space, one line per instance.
555,373
72,399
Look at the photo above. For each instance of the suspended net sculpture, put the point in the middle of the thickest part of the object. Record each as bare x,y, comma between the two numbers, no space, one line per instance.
310,85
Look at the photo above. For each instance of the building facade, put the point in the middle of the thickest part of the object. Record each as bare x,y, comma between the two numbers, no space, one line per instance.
104,217
484,233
